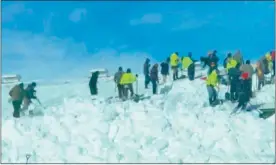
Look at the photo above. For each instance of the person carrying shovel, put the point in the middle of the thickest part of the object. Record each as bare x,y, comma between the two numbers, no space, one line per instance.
30,93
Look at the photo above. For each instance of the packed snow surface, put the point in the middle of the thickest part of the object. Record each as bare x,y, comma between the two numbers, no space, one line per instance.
173,127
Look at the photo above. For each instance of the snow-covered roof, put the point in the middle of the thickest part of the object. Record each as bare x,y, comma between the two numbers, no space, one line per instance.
11,76
99,69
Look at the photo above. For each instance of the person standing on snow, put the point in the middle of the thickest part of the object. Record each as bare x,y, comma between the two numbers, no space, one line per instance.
244,95
117,78
264,62
165,70
154,78
234,78
146,72
212,82
93,83
212,58
188,63
238,58
127,81
30,93
260,74
174,59
248,68
17,94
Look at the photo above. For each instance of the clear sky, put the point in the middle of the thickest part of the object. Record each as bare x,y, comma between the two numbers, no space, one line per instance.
67,39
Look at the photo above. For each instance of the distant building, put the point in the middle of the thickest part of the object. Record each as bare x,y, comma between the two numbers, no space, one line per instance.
10,79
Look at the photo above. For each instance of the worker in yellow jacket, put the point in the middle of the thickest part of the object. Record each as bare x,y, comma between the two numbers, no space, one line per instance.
231,63
212,82
126,81
174,60
188,63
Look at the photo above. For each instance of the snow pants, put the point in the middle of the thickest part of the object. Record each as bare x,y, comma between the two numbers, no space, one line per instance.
175,72
212,94
147,80
154,86
120,90
93,90
16,108
191,72
127,87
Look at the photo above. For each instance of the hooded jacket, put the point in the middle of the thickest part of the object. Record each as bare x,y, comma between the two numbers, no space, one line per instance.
17,93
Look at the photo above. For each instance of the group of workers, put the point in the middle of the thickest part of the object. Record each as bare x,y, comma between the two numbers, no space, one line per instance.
239,78
20,95
238,75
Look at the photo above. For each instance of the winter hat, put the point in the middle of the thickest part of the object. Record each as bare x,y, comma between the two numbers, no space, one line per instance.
33,84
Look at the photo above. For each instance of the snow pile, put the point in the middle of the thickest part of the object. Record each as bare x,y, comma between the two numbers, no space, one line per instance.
175,127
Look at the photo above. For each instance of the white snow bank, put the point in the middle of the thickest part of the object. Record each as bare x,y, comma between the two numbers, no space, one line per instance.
170,128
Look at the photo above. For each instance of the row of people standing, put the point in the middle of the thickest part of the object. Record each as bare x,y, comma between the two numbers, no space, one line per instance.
151,74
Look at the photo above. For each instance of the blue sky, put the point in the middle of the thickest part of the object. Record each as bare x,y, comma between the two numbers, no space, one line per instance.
66,39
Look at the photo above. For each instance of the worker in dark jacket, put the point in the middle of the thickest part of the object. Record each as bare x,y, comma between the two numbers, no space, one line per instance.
165,69
248,68
146,72
154,78
234,78
30,93
93,83
17,94
212,58
117,79
244,95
